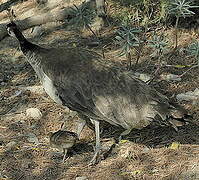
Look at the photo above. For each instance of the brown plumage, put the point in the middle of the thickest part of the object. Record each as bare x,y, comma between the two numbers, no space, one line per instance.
98,90
63,140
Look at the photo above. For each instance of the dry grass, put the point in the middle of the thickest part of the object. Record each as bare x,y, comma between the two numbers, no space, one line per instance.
145,155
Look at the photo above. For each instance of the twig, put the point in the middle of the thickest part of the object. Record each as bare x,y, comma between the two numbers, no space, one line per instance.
87,26
189,70
155,74
129,60
169,65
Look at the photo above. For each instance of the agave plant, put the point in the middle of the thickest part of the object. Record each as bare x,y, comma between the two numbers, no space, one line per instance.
180,8
127,37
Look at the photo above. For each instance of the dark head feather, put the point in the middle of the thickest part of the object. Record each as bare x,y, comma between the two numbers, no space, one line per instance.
11,25
14,31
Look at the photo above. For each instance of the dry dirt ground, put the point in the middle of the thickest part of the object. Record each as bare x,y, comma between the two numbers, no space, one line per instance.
151,153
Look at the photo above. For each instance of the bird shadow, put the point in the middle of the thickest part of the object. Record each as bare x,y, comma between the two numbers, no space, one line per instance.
80,148
156,137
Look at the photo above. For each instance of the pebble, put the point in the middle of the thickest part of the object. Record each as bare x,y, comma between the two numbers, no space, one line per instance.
142,76
34,113
11,145
32,138
81,178
145,150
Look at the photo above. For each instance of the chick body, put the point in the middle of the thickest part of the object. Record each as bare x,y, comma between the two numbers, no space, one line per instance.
63,140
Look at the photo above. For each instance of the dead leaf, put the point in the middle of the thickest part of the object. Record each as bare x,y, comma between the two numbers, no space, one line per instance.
174,145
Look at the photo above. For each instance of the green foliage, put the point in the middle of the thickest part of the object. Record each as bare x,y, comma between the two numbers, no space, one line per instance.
181,8
163,9
128,38
193,50
158,44
82,16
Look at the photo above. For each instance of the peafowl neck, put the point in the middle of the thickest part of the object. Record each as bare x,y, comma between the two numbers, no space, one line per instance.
31,51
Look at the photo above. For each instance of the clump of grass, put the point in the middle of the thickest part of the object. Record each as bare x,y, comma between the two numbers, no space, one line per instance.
142,12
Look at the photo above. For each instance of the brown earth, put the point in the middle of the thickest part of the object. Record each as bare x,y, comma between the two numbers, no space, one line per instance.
147,154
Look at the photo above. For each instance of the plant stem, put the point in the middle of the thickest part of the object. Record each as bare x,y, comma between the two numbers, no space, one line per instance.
138,54
129,60
176,32
87,26
188,70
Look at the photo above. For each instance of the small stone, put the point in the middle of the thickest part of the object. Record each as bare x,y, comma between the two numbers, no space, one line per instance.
11,145
170,77
34,113
3,83
143,77
125,153
155,171
32,138
189,96
145,150
81,178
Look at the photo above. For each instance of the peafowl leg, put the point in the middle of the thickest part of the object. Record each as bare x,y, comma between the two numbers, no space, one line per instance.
65,152
97,146
80,127
124,133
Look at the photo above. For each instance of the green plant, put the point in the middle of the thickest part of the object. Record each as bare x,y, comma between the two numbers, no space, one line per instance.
128,38
180,8
163,13
158,44
82,17
193,50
